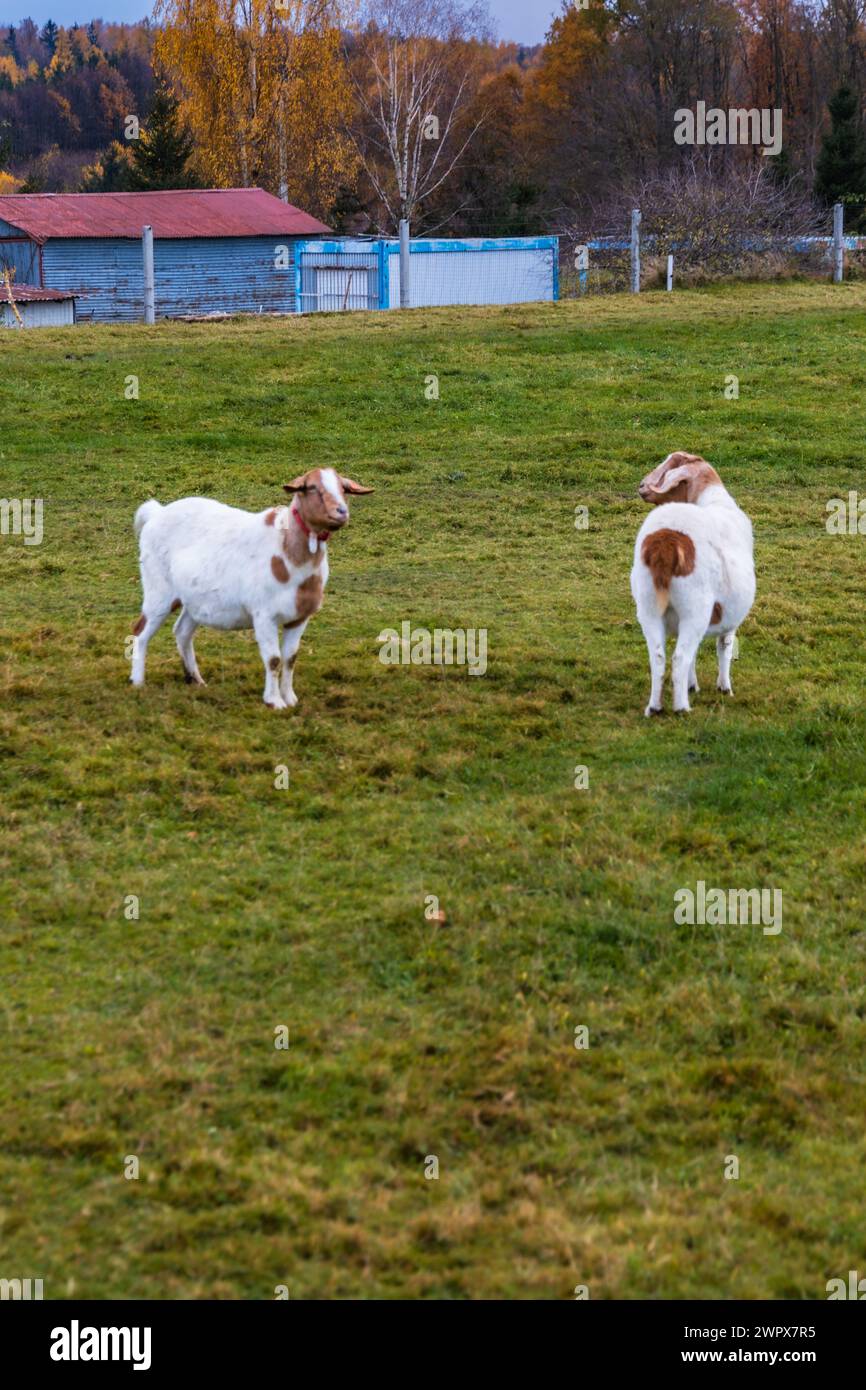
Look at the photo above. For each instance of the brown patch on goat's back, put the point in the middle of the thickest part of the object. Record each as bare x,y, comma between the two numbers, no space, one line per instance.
279,570
667,555
139,626
716,615
271,516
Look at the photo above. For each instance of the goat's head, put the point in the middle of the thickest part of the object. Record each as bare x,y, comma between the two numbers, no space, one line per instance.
321,498
681,478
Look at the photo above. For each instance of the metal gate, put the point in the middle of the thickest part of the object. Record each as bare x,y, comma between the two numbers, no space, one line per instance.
331,280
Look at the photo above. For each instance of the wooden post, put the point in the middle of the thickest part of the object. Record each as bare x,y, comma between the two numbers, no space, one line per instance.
147,254
670,283
838,244
405,284
348,288
635,251
7,282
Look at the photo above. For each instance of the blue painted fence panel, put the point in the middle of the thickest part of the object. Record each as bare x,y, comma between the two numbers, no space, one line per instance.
500,270
497,270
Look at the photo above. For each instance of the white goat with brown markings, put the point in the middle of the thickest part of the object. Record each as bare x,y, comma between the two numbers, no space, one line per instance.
227,568
693,572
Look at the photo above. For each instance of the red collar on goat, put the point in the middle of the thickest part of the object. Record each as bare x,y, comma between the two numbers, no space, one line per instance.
320,535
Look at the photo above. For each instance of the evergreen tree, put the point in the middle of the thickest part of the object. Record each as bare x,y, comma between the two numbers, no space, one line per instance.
347,214
161,155
5,143
111,172
49,36
840,175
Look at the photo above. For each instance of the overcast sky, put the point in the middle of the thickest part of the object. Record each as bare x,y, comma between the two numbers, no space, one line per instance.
525,21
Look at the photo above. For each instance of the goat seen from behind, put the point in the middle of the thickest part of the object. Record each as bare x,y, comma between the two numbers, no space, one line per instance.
693,573
226,568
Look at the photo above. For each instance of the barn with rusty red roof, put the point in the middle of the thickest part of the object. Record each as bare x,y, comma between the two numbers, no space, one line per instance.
218,250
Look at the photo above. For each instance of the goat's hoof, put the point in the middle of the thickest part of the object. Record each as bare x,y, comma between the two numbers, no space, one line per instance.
276,704
291,700
724,689
694,689
651,709
683,709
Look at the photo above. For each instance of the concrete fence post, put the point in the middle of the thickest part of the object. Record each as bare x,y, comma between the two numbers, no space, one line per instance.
581,265
147,255
670,280
405,281
838,243
635,251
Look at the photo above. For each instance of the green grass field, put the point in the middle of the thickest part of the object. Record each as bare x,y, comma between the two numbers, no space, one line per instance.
305,907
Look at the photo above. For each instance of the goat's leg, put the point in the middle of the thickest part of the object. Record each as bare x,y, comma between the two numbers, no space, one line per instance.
692,629
184,629
693,676
724,651
268,638
656,637
292,634
155,608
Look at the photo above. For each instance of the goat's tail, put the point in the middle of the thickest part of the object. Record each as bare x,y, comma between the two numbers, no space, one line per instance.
667,555
144,514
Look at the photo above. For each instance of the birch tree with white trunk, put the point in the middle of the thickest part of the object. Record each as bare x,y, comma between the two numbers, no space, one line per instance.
414,70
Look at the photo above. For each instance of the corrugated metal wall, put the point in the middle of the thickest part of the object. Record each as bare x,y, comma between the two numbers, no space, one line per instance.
20,256
198,276
46,313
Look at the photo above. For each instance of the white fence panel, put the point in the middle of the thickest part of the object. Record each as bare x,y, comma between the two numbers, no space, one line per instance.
446,272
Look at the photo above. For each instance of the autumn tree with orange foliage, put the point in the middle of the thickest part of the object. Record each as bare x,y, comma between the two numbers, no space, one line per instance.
327,101
569,106
782,60
263,89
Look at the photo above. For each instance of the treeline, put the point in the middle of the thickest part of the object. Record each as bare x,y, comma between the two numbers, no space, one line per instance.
415,111
64,95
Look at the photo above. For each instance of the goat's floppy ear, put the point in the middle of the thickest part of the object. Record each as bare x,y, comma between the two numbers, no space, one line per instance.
348,485
297,484
672,477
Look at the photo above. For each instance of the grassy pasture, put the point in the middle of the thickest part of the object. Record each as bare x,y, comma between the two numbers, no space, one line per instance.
262,907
